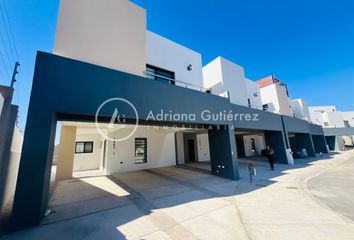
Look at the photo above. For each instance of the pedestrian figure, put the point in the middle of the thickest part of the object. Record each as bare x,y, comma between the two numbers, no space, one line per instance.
270,154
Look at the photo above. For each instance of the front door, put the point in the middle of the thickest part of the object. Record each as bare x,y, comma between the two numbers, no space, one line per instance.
191,150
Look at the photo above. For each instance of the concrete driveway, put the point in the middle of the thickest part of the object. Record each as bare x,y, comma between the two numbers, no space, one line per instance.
176,203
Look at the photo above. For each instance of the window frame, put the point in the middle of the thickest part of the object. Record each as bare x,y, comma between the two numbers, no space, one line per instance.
162,74
84,147
137,159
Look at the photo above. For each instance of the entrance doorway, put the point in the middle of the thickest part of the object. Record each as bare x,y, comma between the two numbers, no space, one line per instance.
191,150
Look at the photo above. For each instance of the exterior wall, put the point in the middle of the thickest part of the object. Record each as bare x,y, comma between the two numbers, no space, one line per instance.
349,116
277,99
203,147
335,119
2,100
14,164
254,94
89,161
109,33
229,77
160,150
301,109
66,153
180,147
171,56
319,114
260,145
269,96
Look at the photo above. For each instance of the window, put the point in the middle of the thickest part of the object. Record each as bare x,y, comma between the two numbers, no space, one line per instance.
160,74
140,150
84,147
346,124
265,107
326,124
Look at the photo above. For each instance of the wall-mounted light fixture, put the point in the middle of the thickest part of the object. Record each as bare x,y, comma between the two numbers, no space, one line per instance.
190,67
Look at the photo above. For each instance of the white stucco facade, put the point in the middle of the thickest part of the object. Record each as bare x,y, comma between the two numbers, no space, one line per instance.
222,76
300,109
168,55
108,33
254,94
160,150
349,117
89,161
275,96
326,116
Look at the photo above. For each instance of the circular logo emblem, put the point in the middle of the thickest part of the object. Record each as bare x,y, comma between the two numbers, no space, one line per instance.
118,126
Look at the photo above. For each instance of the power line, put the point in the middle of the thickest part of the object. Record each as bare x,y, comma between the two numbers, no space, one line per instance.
7,33
10,30
6,52
3,61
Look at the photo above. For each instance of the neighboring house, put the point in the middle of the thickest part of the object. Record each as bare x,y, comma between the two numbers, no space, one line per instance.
228,79
10,149
275,96
338,126
301,109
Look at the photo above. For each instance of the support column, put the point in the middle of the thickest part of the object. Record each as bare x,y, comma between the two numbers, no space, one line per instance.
223,154
304,140
66,153
319,143
275,139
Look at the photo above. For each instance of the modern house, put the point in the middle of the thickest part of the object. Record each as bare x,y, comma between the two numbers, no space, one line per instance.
128,99
338,126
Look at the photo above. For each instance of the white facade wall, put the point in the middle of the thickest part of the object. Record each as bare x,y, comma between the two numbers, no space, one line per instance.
301,109
335,119
259,142
269,96
168,55
349,116
203,147
14,163
160,150
277,99
222,75
2,100
109,33
89,161
254,94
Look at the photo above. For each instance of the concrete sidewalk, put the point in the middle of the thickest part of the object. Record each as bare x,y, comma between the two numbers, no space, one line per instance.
174,203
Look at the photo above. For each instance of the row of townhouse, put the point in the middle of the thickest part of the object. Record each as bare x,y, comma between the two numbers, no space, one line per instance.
128,99
338,126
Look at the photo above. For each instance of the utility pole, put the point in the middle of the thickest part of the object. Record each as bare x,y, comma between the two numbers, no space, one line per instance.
13,80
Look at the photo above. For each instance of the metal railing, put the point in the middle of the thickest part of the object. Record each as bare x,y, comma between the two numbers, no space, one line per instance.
180,83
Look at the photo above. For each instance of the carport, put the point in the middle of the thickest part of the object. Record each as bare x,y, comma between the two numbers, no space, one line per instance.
299,134
334,137
60,93
267,126
318,139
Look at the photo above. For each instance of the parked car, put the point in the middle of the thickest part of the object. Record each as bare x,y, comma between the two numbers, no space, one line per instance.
299,153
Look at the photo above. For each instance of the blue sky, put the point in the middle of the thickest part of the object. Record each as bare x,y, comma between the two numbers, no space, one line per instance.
307,44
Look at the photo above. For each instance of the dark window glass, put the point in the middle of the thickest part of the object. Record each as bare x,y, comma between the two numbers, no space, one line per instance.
140,150
253,144
84,147
160,74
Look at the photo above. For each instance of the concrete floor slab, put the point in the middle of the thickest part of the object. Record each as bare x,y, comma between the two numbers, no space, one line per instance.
176,203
